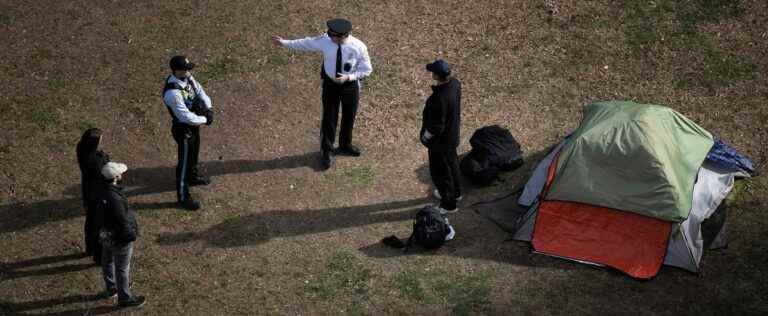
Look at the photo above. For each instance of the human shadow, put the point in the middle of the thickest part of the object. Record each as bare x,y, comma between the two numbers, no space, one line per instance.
138,181
30,307
260,227
141,181
20,216
20,269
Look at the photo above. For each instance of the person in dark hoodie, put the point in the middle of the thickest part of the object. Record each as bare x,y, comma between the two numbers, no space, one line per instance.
118,230
91,160
441,122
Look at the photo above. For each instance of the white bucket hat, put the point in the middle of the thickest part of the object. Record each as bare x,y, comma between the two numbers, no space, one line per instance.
112,170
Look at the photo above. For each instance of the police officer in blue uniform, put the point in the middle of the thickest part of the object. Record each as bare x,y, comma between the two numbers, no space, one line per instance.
189,107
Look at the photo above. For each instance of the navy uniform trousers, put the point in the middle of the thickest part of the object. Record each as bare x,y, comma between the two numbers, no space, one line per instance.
187,139
348,94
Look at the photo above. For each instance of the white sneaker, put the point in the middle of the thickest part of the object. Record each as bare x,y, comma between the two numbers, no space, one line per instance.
451,233
444,211
436,194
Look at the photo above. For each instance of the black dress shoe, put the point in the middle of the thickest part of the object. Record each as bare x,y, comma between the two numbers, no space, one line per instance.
199,180
348,150
135,302
325,160
190,204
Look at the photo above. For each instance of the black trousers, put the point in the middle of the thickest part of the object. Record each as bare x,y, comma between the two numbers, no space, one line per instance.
444,169
92,245
348,95
187,139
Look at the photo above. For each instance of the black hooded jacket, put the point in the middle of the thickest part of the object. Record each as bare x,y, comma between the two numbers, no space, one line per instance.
442,116
113,214
91,160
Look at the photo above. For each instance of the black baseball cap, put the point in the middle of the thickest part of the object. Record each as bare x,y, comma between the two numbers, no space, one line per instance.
440,67
180,62
339,27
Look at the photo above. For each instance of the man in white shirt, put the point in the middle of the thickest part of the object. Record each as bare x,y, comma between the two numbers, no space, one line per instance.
189,107
345,62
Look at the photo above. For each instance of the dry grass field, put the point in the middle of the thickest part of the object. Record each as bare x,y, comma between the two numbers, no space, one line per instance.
278,237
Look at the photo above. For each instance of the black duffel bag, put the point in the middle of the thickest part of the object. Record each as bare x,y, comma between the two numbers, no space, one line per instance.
494,149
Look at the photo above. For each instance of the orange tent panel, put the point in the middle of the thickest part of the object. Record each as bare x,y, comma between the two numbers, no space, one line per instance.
632,243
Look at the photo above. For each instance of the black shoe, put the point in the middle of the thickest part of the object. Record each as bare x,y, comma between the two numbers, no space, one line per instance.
135,302
199,180
190,204
325,160
348,150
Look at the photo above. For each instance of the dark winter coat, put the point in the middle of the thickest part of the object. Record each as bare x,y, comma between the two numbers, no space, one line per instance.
113,214
91,160
442,116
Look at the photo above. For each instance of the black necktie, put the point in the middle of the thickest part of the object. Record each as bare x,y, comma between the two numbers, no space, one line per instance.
338,61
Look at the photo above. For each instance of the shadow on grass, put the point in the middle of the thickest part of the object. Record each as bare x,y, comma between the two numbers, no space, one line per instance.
260,227
140,181
30,307
20,269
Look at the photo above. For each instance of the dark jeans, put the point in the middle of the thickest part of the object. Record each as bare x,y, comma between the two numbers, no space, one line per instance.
116,268
444,169
348,94
187,139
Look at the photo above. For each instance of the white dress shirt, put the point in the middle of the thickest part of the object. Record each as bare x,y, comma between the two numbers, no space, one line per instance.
175,101
353,52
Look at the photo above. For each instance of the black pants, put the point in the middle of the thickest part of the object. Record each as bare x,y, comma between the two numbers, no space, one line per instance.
444,169
92,245
348,94
187,139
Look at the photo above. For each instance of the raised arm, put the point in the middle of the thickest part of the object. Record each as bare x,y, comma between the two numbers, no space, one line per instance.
310,44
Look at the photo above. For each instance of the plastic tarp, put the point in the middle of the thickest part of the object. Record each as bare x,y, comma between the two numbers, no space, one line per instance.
633,157
727,158
686,244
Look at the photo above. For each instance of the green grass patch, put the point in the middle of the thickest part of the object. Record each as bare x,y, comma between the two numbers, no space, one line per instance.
409,286
358,175
363,175
345,276
647,28
465,295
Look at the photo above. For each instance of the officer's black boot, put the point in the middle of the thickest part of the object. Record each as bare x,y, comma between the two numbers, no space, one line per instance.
190,204
348,150
325,160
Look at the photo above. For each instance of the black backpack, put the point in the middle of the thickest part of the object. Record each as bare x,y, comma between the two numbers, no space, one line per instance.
429,228
494,149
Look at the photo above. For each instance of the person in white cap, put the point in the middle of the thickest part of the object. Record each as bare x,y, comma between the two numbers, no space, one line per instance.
117,232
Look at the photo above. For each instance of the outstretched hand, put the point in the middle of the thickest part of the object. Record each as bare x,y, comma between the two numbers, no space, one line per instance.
277,40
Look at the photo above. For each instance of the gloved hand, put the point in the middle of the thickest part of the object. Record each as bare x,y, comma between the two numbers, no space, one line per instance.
208,117
425,137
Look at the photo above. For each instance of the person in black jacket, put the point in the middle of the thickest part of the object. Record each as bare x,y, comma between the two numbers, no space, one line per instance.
91,160
441,122
117,232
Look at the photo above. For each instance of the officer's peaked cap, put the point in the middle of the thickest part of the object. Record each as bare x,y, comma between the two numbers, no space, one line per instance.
339,26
